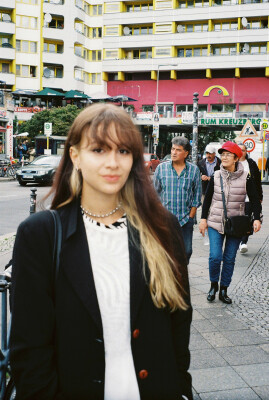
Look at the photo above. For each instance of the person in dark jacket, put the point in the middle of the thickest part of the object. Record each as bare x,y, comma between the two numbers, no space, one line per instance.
115,324
252,168
208,166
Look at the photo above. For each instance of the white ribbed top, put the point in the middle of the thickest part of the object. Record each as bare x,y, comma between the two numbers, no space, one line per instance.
111,270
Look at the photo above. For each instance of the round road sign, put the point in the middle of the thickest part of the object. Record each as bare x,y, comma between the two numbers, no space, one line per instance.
265,125
266,136
250,144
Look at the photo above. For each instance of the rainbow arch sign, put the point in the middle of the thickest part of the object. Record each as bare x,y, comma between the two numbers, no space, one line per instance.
221,89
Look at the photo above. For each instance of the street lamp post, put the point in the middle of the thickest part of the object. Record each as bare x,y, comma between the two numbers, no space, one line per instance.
156,139
195,129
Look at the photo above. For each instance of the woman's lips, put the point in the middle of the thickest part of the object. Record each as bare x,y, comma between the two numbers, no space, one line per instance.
111,178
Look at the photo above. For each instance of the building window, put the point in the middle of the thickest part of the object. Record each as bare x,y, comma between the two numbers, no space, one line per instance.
56,23
138,54
192,52
148,108
5,41
137,30
97,9
224,50
26,71
78,51
139,7
112,7
163,4
26,22
111,54
111,30
53,47
163,51
26,46
226,26
4,67
27,1
258,48
96,33
95,78
5,17
180,108
96,55
252,107
163,28
222,107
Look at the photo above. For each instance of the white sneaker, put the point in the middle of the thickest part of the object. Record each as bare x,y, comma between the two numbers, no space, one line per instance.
243,248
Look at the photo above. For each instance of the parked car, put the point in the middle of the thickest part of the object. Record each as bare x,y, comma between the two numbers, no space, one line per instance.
151,161
41,170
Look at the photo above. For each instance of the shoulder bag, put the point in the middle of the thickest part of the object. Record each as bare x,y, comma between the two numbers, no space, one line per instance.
237,226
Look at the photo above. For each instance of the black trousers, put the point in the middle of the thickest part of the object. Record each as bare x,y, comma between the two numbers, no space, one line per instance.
248,211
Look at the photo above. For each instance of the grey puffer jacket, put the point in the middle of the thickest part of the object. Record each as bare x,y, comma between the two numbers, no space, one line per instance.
235,191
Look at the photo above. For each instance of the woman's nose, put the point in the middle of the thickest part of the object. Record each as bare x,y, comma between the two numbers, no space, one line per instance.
112,159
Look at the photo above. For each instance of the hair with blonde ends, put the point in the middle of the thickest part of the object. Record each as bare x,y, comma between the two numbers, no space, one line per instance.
143,208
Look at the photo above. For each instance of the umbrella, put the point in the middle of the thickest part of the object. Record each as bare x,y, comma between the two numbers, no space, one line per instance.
49,92
23,134
100,96
19,92
74,94
122,97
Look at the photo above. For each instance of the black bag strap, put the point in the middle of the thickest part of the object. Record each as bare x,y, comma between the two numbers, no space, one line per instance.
57,243
223,197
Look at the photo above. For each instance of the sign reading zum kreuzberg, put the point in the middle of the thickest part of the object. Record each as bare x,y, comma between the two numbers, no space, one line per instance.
228,121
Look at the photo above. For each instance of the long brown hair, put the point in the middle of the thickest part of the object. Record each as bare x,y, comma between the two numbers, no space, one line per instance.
139,198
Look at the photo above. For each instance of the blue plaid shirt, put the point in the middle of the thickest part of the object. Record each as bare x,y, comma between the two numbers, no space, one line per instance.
179,193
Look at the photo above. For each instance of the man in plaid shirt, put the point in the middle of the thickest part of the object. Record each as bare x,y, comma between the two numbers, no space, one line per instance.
178,183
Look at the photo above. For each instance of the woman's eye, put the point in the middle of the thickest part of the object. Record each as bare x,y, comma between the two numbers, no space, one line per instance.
97,150
124,151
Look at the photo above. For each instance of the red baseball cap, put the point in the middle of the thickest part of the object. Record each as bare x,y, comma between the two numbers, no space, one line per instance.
232,148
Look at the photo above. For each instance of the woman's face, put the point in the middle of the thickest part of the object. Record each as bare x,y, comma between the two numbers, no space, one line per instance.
244,151
105,169
228,160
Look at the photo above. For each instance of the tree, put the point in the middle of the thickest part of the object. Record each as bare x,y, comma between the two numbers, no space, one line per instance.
61,118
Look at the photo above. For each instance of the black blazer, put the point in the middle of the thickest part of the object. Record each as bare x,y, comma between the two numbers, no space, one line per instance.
203,170
57,347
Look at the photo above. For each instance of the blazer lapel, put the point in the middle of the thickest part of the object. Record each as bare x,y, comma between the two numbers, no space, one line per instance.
138,283
76,265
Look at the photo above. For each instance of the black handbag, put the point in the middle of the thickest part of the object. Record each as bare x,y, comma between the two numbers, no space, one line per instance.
237,226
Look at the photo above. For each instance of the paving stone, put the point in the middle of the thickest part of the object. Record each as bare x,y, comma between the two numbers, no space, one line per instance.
245,337
255,374
239,355
198,342
207,358
227,323
196,316
265,347
216,339
211,313
204,326
219,378
262,391
235,394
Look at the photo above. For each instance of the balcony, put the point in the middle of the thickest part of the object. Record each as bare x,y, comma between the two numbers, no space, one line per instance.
7,27
8,78
53,83
53,33
7,4
53,58
7,53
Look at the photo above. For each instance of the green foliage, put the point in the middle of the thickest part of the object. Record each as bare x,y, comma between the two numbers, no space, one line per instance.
61,118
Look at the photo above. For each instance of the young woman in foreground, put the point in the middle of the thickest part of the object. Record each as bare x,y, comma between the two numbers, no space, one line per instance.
118,327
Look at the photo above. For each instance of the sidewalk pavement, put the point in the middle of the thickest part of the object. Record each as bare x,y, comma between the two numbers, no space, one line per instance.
229,343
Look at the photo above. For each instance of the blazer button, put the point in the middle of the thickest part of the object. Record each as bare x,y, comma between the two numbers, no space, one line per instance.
136,333
143,374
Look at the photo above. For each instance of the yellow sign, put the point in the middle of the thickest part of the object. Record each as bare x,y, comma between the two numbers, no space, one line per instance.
265,125
179,121
221,89
248,131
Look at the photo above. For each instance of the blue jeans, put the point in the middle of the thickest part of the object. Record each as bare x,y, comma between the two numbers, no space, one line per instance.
187,232
216,255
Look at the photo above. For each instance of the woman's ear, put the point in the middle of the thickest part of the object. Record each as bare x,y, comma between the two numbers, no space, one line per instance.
74,155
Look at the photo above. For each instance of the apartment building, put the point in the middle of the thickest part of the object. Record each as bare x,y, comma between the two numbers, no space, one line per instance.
160,52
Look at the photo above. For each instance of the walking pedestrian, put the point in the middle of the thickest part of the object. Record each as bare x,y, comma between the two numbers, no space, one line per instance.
252,169
208,166
178,183
118,325
236,185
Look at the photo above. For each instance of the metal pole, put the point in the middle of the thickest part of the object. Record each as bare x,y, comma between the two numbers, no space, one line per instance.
33,201
157,89
267,156
195,129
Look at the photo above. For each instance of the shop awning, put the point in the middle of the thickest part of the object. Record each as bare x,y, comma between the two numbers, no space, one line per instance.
47,92
75,94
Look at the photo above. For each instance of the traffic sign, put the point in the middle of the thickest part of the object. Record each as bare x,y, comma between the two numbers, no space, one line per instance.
250,144
265,125
48,128
266,137
248,130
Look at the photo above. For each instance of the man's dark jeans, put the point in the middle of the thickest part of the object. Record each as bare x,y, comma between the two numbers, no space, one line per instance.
187,231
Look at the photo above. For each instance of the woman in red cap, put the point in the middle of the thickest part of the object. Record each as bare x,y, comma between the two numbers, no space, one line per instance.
237,183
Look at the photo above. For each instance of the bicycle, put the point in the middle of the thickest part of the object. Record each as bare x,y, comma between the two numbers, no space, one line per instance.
7,387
